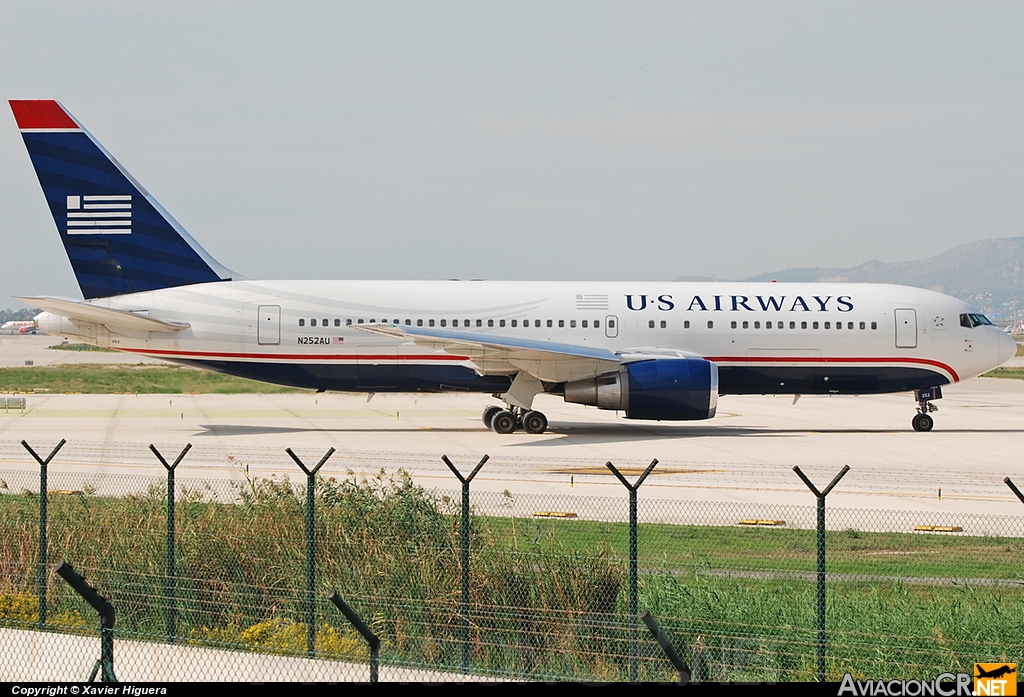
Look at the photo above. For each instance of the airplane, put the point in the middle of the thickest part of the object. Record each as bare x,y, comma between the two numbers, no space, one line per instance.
22,326
654,350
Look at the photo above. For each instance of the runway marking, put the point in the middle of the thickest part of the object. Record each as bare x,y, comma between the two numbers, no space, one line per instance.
630,470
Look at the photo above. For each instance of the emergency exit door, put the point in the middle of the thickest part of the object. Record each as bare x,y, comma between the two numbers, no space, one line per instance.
906,328
268,330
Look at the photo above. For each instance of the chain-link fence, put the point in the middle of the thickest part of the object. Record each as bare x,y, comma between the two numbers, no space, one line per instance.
549,588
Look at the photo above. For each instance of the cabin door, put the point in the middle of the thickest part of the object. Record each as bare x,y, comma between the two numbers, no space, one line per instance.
268,331
906,328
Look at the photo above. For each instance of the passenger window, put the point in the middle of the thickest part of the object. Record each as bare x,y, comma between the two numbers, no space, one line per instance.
514,323
803,325
711,325
814,325
828,325
650,324
348,323
337,323
583,324
302,323
861,325
733,324
419,323
664,324
430,322
490,323
536,323
611,323
686,324
874,325
444,323
839,325
849,325
360,320
465,323
757,325
572,324
597,324
768,324
312,322
550,323
396,322
561,323
480,323
792,325
501,323
782,325
325,323
408,322
746,324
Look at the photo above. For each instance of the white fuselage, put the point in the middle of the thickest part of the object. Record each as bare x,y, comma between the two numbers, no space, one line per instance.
764,337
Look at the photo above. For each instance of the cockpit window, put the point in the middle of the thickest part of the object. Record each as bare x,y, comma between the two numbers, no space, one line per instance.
973,319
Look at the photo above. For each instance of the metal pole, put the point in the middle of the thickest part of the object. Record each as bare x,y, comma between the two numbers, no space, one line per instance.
357,622
821,560
464,540
171,588
634,660
310,549
659,635
104,609
1014,489
41,568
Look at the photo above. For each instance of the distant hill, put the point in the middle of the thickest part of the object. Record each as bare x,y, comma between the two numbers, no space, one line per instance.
986,274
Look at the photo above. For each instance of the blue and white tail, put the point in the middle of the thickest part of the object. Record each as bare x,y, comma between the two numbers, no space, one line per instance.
118,238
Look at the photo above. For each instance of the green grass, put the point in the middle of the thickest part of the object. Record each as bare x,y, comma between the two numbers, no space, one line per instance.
80,347
691,547
1010,373
548,599
142,378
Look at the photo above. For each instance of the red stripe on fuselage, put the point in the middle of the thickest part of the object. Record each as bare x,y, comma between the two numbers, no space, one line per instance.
825,360
299,356
40,113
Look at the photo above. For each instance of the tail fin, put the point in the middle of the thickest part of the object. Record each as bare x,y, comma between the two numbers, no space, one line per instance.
118,238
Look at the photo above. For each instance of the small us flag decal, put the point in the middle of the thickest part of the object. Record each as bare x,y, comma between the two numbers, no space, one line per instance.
99,215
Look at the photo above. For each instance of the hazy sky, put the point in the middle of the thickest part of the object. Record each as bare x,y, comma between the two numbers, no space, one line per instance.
530,140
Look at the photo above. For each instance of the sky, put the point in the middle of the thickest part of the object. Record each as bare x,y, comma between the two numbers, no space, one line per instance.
530,141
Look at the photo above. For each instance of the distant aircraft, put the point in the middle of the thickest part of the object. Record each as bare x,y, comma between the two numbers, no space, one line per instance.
23,327
654,350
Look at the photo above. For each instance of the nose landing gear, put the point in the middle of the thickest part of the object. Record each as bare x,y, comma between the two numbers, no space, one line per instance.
922,421
507,420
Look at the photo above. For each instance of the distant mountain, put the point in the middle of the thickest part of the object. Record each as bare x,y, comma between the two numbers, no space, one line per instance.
986,274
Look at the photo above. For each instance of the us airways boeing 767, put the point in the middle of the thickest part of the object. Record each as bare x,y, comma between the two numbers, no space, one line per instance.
661,351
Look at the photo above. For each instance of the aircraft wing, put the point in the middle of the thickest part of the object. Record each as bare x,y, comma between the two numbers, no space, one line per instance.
113,319
547,361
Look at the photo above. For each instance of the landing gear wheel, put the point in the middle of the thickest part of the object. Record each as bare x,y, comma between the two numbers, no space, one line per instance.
489,412
923,422
535,422
503,422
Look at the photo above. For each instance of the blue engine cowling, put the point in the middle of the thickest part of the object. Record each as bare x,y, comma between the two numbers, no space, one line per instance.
662,389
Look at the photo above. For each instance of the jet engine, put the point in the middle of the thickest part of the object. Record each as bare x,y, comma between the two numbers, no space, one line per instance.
662,389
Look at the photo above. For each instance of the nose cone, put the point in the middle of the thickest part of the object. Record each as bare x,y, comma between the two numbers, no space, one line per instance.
1007,348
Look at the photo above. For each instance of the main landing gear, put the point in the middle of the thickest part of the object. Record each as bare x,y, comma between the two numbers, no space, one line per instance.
507,420
922,421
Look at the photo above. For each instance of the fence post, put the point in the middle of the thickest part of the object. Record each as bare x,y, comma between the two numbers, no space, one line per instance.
633,553
42,525
1013,488
821,560
171,587
464,540
682,669
372,639
105,610
310,548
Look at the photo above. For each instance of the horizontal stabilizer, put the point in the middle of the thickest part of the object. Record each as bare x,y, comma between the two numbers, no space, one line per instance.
112,319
